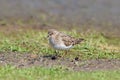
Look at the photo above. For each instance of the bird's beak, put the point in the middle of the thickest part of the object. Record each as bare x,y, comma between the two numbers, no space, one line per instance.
48,36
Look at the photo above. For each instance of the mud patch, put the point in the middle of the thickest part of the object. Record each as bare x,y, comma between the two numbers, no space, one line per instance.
26,60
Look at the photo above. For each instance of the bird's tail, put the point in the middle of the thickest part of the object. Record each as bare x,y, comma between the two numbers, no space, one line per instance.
78,41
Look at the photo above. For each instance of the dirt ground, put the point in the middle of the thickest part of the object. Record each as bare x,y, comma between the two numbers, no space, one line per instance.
25,60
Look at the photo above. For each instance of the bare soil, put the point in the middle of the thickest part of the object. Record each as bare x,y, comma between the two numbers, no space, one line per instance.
25,60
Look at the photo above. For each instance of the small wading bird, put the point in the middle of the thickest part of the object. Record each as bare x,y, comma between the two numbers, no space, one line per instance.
61,41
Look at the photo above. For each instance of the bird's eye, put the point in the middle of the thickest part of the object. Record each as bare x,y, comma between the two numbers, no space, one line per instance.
50,33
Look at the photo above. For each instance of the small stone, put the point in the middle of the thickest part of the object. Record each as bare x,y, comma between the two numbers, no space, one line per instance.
76,58
53,57
33,55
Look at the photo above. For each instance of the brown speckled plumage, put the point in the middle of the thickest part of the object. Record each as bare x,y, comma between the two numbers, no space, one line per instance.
60,37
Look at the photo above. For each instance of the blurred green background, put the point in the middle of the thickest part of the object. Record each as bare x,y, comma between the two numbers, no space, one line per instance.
101,15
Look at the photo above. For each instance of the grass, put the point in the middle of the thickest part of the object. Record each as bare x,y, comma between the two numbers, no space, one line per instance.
35,41
38,73
96,46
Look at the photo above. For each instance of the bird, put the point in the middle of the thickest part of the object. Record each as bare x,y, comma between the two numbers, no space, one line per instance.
61,41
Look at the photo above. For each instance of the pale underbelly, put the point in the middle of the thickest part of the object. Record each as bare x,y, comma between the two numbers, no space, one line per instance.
60,46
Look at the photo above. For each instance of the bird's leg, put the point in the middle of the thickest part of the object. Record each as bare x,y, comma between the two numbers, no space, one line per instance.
66,51
56,53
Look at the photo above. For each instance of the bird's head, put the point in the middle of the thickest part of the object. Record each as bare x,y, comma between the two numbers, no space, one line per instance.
52,32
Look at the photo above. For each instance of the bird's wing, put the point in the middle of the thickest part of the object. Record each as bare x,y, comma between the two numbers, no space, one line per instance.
68,40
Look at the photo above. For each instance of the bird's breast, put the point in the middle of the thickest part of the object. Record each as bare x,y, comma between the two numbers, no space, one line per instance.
58,45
